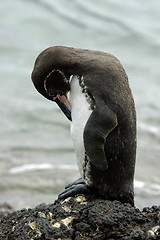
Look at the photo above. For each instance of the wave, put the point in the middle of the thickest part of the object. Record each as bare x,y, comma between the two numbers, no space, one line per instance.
152,189
149,128
42,166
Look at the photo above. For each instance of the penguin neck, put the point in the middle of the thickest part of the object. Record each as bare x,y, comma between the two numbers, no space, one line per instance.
80,105
80,112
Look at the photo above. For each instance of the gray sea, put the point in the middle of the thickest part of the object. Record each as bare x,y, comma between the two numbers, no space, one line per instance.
36,153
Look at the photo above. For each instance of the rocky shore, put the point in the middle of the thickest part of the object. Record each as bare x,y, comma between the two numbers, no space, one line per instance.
81,217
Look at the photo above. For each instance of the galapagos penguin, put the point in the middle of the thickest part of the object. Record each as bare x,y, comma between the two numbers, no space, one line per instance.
102,113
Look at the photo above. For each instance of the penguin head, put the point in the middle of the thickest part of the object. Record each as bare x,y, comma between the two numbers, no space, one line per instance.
52,83
57,86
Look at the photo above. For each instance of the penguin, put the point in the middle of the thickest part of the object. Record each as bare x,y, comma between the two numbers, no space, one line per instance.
102,112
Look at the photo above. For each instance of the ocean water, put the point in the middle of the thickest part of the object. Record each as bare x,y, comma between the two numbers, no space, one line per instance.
36,153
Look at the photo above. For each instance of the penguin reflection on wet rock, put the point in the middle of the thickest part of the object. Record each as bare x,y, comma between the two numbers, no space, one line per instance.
102,113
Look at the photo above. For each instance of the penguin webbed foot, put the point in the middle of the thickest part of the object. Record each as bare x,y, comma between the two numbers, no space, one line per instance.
74,188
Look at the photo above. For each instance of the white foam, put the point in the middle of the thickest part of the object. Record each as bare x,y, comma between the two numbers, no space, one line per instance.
139,184
147,188
42,166
30,167
149,128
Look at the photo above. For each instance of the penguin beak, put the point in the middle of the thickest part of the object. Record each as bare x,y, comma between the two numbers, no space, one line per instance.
63,99
64,104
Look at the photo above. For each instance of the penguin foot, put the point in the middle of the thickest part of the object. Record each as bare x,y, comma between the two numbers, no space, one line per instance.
74,188
78,181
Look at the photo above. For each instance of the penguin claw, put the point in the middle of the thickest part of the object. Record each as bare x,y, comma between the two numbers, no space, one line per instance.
74,190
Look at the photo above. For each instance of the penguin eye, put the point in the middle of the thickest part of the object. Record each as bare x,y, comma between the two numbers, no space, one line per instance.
52,94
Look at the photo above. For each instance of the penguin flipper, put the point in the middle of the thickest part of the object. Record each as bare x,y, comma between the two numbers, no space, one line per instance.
101,122
74,189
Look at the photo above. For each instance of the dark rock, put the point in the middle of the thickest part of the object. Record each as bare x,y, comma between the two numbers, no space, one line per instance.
82,218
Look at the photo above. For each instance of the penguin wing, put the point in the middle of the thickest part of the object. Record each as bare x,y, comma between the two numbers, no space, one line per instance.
100,123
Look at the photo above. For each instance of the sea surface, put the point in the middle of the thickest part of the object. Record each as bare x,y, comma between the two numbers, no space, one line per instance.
37,158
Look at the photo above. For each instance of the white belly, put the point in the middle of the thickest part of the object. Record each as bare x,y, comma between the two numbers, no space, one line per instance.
80,112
